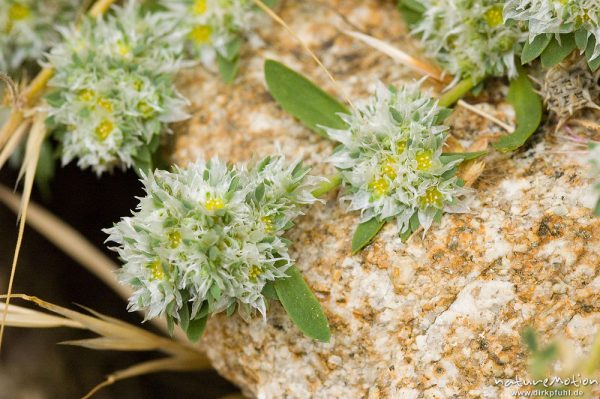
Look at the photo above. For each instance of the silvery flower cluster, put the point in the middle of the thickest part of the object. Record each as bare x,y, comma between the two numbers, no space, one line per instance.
213,27
551,16
28,27
469,39
208,237
390,160
113,93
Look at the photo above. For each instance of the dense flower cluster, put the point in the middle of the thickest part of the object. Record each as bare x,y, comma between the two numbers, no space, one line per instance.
113,91
564,16
468,37
213,27
390,159
209,236
28,28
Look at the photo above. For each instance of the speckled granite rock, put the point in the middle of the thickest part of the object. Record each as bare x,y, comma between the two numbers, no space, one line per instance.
438,317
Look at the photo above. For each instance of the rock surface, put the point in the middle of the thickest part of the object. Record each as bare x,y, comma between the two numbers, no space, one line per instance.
438,317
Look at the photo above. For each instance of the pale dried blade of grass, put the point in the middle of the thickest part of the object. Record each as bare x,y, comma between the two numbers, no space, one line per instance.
12,143
486,115
32,153
399,55
114,344
118,330
77,247
27,318
153,366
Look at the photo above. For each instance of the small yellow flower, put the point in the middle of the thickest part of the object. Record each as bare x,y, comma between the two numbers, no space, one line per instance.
214,204
123,48
201,34
157,270
432,197
389,169
18,11
106,104
174,239
104,129
255,271
86,95
268,224
401,146
424,160
380,186
199,7
493,16
146,110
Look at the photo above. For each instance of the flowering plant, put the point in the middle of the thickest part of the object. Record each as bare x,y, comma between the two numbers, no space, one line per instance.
214,29
112,93
28,28
209,238
391,160
558,27
468,38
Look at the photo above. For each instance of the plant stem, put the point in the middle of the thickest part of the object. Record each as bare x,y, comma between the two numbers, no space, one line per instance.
457,92
325,187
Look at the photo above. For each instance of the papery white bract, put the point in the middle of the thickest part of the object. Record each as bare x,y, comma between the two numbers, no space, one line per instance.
212,26
210,236
390,159
113,92
553,16
468,38
29,27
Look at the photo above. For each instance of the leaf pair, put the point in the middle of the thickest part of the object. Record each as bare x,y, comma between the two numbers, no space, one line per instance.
553,49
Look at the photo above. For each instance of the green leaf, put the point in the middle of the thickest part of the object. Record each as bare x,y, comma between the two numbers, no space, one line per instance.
302,306
581,38
232,49
556,52
303,99
593,63
196,328
365,232
448,157
184,316
534,49
412,11
442,115
269,291
228,68
597,208
530,339
528,109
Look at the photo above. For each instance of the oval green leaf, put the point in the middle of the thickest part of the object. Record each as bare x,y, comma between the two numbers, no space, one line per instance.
303,99
556,52
302,306
534,49
196,328
528,109
364,234
448,157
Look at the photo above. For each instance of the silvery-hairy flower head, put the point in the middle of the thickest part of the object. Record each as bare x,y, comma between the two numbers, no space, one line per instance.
557,16
390,159
112,92
468,37
212,26
28,28
209,237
